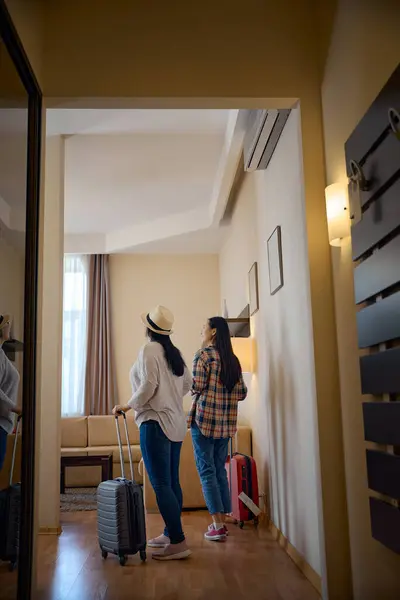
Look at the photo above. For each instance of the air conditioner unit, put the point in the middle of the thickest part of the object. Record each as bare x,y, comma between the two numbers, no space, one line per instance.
264,128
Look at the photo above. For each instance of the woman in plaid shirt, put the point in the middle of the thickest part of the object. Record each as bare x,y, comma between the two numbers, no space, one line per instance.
218,386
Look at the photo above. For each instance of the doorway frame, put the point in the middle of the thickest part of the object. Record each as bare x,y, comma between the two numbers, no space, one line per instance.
18,55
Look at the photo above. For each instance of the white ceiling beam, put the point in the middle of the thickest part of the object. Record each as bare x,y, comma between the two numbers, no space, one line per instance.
228,165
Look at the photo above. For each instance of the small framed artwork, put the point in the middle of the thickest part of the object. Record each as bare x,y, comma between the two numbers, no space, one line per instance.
275,263
253,289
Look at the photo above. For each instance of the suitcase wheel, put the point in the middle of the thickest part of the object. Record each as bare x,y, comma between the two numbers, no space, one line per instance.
104,554
122,560
143,555
241,524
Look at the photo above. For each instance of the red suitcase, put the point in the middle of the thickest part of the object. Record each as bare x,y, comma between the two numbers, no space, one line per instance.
242,476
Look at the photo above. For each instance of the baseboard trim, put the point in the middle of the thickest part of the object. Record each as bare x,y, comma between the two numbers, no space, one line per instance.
50,530
297,558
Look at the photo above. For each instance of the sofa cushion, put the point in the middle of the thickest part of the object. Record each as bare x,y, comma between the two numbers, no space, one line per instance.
74,432
102,431
91,476
114,450
242,441
73,451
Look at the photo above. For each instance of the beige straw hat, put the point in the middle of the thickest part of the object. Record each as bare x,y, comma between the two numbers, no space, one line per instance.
4,321
159,320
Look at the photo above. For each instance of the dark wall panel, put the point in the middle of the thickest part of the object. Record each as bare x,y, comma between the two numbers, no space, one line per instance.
373,164
374,122
379,322
380,372
382,422
385,523
384,473
381,166
378,221
379,272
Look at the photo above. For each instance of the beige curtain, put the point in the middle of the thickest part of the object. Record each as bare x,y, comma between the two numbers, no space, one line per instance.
100,384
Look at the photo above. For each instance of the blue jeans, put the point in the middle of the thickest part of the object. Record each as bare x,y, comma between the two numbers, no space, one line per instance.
161,458
3,446
211,455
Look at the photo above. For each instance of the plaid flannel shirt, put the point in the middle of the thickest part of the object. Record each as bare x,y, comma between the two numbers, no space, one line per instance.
214,408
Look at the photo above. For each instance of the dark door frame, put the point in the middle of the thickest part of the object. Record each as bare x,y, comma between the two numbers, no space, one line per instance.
18,55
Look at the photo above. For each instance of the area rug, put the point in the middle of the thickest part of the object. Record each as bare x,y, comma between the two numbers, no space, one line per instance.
78,499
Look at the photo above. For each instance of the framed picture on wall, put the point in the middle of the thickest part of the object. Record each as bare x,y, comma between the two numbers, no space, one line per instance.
253,289
275,263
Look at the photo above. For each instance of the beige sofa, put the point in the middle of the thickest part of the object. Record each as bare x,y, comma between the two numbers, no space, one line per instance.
190,482
88,436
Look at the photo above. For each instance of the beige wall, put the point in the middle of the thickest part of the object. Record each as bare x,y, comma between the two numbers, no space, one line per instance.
12,284
365,50
281,407
12,273
187,285
51,253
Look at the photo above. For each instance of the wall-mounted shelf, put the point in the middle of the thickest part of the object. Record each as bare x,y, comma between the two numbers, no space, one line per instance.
240,327
10,347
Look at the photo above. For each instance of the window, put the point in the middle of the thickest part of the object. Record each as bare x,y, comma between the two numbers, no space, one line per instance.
74,335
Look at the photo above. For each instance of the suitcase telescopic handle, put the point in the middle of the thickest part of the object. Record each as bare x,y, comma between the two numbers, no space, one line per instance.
14,449
121,454
230,467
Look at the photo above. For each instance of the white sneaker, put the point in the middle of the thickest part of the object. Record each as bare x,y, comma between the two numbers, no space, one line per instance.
173,552
162,541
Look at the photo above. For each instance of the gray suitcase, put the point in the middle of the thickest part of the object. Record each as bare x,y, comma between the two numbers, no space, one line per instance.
10,514
121,523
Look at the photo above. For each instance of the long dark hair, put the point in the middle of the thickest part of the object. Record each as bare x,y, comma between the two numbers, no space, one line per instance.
174,359
231,371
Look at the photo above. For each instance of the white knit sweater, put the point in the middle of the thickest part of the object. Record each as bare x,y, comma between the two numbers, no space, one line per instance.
9,382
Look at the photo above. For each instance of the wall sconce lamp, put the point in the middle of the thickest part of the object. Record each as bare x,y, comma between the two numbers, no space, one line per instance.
244,350
337,213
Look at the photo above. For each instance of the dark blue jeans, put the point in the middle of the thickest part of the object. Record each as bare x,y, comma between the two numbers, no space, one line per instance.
210,456
3,446
161,458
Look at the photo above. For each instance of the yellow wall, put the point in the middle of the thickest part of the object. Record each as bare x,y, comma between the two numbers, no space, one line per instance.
181,49
148,54
365,50
28,18
187,285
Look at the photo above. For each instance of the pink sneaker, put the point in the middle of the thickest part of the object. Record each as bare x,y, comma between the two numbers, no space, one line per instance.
216,535
162,541
210,527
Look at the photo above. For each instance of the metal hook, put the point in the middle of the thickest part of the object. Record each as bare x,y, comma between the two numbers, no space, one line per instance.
357,176
394,121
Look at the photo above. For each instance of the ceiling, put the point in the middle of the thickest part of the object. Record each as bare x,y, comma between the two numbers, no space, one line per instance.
115,180
142,180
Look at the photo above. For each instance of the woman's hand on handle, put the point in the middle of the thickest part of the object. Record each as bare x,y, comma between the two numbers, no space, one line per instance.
120,408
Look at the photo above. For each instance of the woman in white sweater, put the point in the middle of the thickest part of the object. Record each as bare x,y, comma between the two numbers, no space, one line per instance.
9,382
160,380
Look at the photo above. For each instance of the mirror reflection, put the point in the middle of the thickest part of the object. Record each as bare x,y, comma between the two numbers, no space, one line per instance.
13,170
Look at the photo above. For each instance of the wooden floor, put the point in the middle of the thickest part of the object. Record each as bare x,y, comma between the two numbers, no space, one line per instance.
250,565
